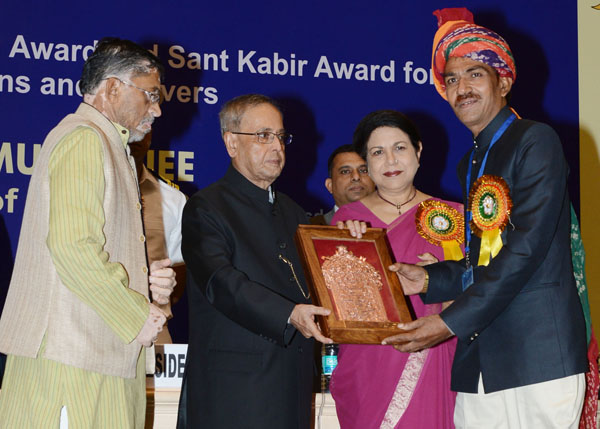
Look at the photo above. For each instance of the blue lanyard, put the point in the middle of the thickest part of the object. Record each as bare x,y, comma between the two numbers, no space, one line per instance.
496,137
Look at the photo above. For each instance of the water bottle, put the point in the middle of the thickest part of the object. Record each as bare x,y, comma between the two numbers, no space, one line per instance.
329,354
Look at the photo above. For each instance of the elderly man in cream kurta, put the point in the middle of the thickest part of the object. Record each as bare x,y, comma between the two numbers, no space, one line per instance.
77,312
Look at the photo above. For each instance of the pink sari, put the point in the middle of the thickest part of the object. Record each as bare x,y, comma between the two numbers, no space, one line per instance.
379,387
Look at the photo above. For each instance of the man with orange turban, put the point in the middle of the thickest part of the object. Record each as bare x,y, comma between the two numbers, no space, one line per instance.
521,351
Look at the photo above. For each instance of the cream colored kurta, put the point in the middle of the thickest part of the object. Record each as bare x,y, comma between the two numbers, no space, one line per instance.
76,232
35,388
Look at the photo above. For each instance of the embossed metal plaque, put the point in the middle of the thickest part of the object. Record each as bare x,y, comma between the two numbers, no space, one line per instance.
350,277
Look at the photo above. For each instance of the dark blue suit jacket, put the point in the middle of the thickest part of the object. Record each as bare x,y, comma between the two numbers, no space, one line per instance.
521,321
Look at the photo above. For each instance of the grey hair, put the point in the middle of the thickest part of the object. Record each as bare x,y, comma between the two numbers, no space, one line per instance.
117,57
232,112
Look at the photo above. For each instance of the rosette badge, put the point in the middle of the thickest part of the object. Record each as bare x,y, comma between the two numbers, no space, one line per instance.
441,225
490,204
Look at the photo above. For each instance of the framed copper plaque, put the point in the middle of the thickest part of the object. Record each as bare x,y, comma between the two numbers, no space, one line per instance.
350,277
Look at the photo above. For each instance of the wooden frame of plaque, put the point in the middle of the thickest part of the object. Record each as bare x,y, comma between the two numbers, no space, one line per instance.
350,277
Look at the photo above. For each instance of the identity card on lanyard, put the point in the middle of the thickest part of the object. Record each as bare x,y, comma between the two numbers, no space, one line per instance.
467,277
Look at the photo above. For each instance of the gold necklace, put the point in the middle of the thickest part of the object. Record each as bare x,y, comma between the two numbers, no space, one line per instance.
399,206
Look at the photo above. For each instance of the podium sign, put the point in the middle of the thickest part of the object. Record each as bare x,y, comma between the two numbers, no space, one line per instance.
170,364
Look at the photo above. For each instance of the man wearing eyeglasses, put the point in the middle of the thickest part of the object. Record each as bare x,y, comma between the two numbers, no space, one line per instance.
77,316
247,366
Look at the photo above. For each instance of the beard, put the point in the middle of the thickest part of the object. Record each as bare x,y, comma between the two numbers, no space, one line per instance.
137,134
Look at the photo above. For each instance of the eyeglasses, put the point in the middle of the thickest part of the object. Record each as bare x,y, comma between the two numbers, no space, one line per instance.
266,137
153,96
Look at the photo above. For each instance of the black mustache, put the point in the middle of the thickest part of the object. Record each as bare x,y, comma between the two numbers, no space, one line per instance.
468,96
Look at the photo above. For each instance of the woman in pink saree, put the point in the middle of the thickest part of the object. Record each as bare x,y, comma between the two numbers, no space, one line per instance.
376,386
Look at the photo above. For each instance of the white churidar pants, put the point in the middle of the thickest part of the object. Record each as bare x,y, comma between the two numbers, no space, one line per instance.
548,405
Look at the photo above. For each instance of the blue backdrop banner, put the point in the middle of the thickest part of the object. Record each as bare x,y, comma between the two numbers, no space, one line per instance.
327,63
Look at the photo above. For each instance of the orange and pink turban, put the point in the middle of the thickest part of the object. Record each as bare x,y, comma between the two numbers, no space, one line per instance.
458,36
